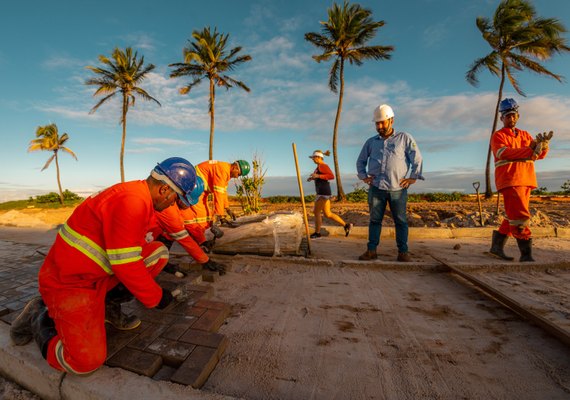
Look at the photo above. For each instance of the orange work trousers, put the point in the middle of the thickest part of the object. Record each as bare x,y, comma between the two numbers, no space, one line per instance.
80,346
516,200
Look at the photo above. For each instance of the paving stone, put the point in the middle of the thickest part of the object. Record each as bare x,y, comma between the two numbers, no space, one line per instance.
9,318
206,339
137,361
188,310
197,367
164,373
156,316
4,311
216,305
210,276
173,353
177,329
117,339
147,336
211,320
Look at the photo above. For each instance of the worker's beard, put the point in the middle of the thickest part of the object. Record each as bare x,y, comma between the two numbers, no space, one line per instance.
384,133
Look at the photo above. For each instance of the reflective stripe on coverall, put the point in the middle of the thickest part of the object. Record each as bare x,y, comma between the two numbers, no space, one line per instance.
515,178
101,245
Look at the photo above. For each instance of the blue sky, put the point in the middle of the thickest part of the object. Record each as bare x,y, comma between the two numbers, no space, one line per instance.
46,46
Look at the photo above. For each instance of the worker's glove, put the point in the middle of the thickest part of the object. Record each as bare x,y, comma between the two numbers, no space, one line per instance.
231,214
216,231
165,300
214,266
207,245
541,142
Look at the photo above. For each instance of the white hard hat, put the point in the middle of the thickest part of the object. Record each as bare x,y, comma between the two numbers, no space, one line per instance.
382,113
317,153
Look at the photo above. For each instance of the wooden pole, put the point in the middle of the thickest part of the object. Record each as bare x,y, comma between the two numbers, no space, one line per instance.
498,202
299,181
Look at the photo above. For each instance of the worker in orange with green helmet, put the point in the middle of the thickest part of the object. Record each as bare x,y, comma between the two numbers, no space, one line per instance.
216,176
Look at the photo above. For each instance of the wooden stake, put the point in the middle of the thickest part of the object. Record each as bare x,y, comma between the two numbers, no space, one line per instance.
498,202
300,182
527,313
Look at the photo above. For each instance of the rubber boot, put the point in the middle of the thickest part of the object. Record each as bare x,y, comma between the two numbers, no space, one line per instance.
498,244
113,313
525,246
43,329
21,329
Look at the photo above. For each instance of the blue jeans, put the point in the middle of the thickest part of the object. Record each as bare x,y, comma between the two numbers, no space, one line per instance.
377,201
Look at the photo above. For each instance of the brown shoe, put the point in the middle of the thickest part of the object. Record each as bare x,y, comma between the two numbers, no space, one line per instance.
368,255
404,257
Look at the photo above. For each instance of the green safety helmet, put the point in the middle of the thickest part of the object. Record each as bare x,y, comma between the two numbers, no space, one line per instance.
244,167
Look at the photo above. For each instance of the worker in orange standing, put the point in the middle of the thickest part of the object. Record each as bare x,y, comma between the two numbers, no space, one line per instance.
101,247
171,228
216,176
515,152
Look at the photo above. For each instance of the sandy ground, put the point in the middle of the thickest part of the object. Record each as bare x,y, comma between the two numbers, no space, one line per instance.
330,327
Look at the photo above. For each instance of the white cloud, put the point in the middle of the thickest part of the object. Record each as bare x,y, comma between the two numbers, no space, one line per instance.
56,61
167,141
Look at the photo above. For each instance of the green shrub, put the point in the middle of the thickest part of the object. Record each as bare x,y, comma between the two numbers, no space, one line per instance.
359,195
53,197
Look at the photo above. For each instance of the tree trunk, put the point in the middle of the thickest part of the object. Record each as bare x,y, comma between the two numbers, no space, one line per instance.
488,189
58,179
212,122
340,192
124,137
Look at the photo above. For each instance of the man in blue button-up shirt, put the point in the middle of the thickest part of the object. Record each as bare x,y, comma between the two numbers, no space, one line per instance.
389,156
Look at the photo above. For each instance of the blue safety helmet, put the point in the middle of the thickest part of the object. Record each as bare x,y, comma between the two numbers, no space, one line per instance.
508,106
179,174
197,192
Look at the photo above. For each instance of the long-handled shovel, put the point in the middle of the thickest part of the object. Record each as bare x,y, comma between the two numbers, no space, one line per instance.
476,186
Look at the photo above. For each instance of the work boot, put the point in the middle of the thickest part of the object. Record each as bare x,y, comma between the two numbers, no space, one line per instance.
174,270
43,329
404,257
216,231
368,255
347,229
498,244
21,329
116,317
113,313
525,246
315,235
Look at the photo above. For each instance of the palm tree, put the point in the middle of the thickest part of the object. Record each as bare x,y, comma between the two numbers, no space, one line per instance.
343,38
48,139
124,73
519,40
207,57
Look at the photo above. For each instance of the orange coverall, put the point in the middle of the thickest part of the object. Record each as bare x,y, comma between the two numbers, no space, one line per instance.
216,176
515,178
171,224
102,244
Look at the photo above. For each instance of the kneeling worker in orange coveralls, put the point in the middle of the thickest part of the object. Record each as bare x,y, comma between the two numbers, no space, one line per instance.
101,252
